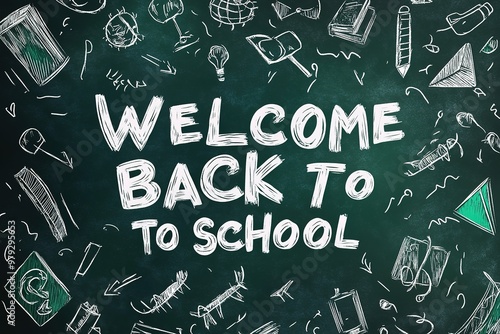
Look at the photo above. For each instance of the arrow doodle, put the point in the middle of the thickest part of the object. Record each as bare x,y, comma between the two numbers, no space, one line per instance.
113,289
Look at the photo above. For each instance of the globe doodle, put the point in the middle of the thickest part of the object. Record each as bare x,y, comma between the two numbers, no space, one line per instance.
232,12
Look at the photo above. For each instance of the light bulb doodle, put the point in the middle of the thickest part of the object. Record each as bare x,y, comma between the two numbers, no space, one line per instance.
218,57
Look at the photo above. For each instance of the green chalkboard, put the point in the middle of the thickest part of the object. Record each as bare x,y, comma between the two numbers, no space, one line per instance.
237,166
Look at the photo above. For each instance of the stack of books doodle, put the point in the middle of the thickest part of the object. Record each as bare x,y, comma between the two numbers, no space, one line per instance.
353,21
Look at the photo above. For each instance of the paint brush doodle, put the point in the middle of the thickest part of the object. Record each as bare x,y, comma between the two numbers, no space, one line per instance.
163,298
216,303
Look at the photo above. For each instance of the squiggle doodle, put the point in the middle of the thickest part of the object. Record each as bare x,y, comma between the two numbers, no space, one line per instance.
421,320
443,186
440,221
406,193
389,205
28,229
346,56
407,92
463,296
314,67
425,69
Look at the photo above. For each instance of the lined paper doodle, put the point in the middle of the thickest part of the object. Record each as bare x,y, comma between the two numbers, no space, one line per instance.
89,257
42,199
403,40
24,30
157,301
216,304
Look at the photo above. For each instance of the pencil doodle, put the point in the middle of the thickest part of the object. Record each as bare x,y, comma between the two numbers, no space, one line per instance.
442,152
85,320
490,46
216,303
283,291
232,12
346,56
407,92
431,47
353,320
88,259
42,199
28,230
284,11
286,43
114,288
353,21
218,56
442,186
24,30
163,298
403,41
122,30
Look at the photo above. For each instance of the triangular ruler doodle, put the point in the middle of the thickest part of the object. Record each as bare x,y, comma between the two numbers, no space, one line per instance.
477,208
458,72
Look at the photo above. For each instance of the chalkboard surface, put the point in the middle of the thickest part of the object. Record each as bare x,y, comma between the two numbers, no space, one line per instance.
237,166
